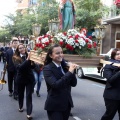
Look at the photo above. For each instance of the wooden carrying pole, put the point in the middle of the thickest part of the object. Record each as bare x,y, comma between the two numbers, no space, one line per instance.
108,62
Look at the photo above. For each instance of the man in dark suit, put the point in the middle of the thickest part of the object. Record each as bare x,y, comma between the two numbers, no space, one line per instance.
11,68
0,53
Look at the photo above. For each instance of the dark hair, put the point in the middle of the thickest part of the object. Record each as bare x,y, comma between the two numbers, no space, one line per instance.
48,59
113,53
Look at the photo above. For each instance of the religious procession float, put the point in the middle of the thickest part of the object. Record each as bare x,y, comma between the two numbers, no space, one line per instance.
77,48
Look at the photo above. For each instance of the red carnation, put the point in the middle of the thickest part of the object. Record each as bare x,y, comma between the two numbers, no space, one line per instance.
50,41
67,46
76,41
40,44
61,43
42,47
39,38
34,48
89,46
77,36
65,33
94,44
46,43
71,48
71,36
86,40
37,45
90,37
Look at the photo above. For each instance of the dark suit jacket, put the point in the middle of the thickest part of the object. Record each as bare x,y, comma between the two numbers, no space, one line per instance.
24,72
9,55
112,89
58,87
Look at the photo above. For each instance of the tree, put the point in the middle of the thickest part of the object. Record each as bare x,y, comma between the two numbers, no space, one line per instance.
88,13
40,14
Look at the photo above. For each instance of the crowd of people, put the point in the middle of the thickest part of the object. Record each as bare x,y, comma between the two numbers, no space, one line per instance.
24,74
21,73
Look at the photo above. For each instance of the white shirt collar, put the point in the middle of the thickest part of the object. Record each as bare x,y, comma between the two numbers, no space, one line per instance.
13,49
21,55
56,64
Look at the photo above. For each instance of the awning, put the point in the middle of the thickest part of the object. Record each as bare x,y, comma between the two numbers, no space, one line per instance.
113,20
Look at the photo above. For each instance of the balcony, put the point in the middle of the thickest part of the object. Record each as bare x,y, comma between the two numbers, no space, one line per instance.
113,16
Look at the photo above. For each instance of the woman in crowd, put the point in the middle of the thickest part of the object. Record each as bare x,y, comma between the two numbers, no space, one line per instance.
66,14
24,78
59,81
112,90
38,74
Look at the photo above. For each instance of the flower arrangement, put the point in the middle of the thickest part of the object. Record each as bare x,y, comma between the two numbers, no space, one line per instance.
72,42
43,42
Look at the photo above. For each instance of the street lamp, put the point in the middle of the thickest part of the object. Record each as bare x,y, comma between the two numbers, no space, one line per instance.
53,25
36,28
99,34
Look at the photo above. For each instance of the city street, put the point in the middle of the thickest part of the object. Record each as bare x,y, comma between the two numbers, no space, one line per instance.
87,98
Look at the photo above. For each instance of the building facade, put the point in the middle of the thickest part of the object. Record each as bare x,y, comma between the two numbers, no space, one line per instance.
112,23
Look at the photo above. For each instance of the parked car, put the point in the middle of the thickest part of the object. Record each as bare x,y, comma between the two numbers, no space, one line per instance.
93,72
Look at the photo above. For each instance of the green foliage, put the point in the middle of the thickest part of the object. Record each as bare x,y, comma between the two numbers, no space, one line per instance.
5,36
88,13
22,23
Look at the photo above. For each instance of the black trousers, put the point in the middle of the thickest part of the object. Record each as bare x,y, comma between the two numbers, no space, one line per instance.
59,115
11,75
112,106
0,58
29,90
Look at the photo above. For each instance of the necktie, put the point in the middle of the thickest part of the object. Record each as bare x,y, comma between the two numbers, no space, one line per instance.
23,58
60,69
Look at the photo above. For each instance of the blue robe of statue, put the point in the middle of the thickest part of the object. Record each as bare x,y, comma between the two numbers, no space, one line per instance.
67,16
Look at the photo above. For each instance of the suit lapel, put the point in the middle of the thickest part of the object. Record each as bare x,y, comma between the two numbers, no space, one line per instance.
55,70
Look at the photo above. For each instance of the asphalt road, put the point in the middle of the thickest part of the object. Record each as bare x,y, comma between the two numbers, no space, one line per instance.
87,97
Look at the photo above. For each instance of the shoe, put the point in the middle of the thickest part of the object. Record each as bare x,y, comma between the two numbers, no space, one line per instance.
29,117
10,94
15,97
38,94
71,114
21,110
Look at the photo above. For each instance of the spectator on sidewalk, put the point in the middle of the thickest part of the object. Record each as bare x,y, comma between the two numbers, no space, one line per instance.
38,74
